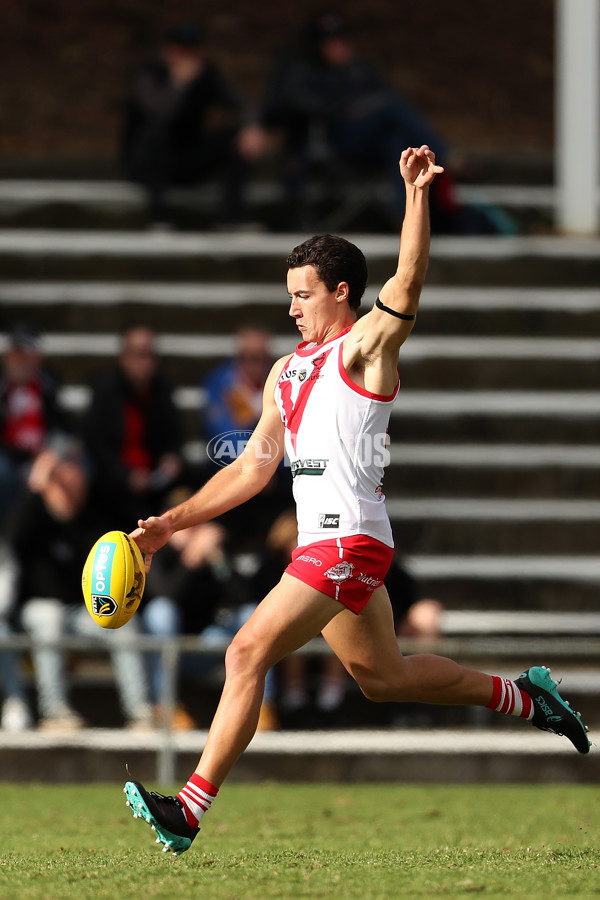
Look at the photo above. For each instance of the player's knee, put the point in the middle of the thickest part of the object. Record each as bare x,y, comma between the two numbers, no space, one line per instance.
384,686
243,656
373,687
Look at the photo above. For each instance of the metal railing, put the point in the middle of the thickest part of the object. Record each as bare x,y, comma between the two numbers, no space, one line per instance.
573,651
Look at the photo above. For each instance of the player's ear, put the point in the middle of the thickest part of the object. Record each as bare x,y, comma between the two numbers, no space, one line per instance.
342,292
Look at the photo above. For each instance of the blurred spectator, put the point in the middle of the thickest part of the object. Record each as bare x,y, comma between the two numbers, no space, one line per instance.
338,116
52,531
15,709
414,616
294,672
30,414
168,137
193,589
234,390
233,403
133,433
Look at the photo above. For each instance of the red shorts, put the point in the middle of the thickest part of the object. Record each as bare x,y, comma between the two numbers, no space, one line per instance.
347,569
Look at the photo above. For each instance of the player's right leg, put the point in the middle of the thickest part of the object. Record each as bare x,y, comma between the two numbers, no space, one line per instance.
289,616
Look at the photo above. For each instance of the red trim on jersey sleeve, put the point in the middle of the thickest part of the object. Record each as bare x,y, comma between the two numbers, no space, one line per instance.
285,365
283,411
385,398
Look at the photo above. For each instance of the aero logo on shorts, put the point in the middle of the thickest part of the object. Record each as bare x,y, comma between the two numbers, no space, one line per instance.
102,603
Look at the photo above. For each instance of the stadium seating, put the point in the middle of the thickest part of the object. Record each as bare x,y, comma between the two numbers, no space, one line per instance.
492,487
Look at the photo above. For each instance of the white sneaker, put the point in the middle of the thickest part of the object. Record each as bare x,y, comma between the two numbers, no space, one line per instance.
15,715
64,720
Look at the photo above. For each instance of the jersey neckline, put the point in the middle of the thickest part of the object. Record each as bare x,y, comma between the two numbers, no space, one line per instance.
307,348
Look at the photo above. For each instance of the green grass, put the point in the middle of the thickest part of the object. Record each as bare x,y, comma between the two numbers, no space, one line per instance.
288,841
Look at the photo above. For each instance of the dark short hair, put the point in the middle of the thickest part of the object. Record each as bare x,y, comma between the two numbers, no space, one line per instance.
335,259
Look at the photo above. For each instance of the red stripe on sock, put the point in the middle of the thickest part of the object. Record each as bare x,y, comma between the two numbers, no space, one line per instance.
204,785
496,692
508,688
184,795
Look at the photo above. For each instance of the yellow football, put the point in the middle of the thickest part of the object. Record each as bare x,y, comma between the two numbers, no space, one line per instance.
113,579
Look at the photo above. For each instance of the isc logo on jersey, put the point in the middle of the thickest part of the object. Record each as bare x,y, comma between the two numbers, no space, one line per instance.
102,603
329,520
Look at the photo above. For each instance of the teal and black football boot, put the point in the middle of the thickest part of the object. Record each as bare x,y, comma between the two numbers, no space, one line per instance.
551,712
164,814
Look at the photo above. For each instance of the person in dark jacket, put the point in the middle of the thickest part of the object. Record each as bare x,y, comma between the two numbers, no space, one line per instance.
338,115
167,137
51,532
133,432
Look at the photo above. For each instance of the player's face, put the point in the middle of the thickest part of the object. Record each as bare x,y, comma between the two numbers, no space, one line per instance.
315,308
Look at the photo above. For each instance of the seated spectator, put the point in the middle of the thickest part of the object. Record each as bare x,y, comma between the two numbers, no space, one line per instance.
133,433
168,139
52,531
30,412
414,616
234,390
233,403
193,589
337,112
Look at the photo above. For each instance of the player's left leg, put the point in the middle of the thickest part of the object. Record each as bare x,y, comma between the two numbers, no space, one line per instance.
368,648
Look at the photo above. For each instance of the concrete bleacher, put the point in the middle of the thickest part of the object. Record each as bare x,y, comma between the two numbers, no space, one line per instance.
496,425
493,484
112,203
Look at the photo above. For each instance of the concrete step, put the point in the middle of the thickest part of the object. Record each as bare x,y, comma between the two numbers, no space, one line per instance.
249,257
116,204
493,363
411,477
208,307
517,581
490,526
514,753
449,417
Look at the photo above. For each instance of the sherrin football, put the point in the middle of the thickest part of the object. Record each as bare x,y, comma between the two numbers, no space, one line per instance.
113,579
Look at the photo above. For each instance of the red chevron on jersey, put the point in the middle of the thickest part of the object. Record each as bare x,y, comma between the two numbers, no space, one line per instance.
293,412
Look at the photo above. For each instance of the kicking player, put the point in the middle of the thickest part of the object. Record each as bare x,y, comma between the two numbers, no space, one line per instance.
329,404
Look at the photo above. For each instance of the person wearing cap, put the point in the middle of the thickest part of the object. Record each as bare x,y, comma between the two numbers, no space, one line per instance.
167,140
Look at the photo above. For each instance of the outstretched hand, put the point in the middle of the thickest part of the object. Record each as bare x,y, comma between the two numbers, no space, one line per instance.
150,536
417,166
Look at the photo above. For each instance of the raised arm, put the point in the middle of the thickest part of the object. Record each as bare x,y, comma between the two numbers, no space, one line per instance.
401,293
231,486
379,334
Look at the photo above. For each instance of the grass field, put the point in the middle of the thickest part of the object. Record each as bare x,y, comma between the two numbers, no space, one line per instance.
288,841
